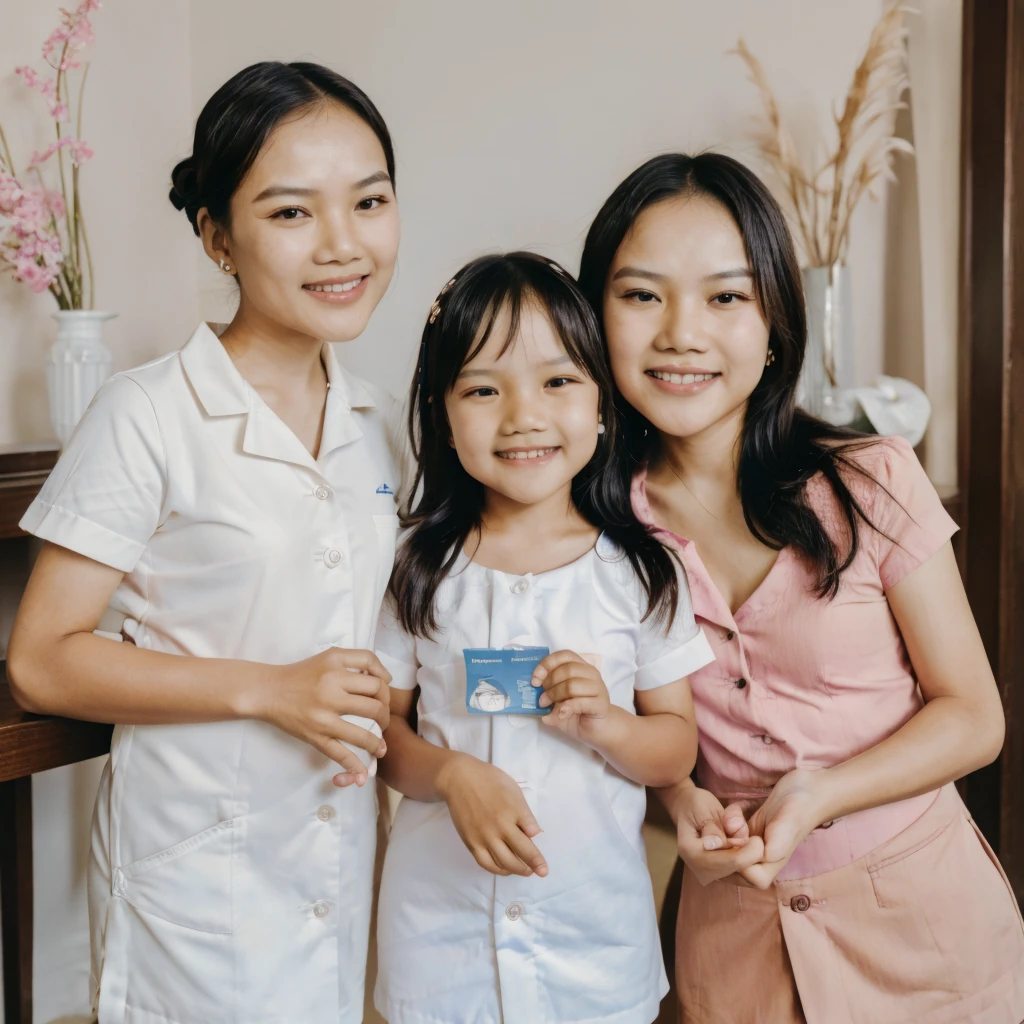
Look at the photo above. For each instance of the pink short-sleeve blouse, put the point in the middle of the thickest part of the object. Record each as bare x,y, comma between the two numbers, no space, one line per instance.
804,682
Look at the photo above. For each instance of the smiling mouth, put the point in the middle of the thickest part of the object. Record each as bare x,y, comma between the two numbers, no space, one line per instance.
347,286
522,454
681,378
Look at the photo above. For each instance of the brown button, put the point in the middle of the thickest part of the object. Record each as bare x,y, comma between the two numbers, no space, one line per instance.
800,903
740,683
730,636
827,824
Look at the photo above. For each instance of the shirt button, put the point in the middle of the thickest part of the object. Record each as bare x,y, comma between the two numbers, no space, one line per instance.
320,908
323,493
800,903
731,635
514,911
740,684
827,824
332,557
519,587
325,813
767,740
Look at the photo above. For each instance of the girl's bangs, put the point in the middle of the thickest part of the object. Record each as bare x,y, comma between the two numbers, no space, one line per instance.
572,320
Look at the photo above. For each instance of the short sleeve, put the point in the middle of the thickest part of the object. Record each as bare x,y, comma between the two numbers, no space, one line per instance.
911,523
395,647
105,495
667,654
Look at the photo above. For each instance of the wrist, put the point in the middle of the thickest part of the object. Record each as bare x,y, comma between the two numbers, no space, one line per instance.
605,735
673,796
249,688
824,804
448,772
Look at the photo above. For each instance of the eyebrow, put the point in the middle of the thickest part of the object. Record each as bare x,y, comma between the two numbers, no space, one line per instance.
557,361
273,191
651,275
723,275
285,190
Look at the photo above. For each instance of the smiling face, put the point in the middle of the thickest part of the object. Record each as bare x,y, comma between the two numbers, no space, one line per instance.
686,335
313,232
523,421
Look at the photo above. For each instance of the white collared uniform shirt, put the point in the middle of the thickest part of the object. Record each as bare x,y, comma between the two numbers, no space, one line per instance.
230,881
457,945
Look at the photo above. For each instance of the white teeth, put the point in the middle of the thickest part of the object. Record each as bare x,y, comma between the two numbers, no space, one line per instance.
346,287
534,453
681,378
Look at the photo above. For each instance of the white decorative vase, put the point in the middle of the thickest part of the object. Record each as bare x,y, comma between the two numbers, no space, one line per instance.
828,361
76,366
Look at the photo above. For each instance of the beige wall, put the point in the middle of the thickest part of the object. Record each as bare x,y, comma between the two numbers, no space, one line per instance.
512,123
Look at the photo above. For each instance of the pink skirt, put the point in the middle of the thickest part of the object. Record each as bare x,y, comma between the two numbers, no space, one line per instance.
922,930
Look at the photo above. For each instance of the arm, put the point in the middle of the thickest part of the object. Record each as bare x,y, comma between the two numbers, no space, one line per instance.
961,726
56,665
488,809
656,747
959,729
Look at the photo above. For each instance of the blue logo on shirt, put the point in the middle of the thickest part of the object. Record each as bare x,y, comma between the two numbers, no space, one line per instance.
384,489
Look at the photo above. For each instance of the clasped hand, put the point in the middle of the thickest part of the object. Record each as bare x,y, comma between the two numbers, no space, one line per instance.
718,842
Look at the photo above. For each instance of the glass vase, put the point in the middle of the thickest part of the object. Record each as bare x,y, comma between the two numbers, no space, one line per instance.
828,362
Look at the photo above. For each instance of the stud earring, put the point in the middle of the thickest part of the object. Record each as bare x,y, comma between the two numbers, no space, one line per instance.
770,359
225,266
600,423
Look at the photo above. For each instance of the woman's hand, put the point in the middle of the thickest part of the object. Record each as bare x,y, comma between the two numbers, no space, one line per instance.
491,816
795,807
705,846
576,693
307,699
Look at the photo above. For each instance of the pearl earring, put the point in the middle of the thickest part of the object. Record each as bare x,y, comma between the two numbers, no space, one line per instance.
600,423
770,359
225,266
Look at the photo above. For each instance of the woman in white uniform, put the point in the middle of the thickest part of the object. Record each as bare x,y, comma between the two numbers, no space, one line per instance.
234,502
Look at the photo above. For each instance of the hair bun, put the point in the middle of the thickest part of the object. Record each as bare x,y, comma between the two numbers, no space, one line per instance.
184,194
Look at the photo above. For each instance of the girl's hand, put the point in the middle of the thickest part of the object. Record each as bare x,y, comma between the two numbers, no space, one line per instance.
491,816
795,807
705,846
580,705
308,698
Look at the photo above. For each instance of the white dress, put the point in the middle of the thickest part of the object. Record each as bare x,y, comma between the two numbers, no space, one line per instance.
230,881
458,945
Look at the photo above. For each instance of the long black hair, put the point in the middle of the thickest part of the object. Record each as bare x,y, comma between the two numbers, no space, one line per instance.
239,118
450,501
782,446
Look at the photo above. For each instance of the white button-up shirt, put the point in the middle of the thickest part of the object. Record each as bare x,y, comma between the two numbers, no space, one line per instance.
230,880
461,946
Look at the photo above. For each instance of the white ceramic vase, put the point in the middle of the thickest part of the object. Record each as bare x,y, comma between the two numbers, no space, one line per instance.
76,366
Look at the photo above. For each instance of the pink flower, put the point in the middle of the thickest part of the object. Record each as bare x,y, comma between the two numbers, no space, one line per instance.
72,35
55,201
47,88
80,151
37,277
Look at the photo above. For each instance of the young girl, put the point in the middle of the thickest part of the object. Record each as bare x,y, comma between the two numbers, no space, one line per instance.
850,687
234,503
515,887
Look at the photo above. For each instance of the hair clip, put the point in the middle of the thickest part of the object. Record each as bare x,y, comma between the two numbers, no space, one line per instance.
435,309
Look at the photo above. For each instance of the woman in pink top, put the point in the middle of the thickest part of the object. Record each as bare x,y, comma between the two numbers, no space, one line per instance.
851,686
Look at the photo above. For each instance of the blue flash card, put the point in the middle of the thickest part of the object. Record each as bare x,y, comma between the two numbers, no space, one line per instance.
498,681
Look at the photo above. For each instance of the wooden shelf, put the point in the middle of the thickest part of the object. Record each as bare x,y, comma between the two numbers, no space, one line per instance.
36,743
23,470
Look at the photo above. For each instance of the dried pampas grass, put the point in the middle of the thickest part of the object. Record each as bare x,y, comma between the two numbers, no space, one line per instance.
822,201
